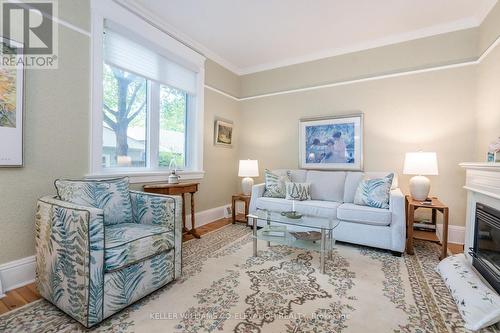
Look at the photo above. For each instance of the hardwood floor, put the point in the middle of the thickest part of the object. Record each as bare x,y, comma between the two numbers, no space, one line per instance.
18,297
27,294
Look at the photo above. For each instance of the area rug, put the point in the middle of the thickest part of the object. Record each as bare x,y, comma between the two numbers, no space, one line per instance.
225,289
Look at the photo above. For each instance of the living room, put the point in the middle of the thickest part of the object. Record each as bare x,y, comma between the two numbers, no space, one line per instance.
356,143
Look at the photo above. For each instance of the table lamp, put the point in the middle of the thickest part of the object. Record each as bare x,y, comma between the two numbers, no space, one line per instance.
248,168
420,164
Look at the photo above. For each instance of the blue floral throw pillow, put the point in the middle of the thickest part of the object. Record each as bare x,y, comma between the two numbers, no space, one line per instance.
110,195
374,192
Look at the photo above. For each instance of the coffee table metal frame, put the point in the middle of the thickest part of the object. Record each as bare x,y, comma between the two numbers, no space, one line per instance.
325,225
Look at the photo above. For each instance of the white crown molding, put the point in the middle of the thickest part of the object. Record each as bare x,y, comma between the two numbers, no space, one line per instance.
484,10
154,20
386,41
474,62
467,23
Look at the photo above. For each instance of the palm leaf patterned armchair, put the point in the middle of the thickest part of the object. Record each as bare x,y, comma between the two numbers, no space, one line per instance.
101,247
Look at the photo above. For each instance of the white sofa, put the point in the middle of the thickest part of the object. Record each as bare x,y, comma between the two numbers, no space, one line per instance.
332,194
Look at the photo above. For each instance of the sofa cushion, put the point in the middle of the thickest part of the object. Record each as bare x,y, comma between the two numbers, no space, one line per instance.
127,243
327,185
309,207
110,195
353,179
275,184
364,214
296,175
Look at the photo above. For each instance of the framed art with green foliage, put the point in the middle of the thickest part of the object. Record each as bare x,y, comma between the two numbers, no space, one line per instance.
11,106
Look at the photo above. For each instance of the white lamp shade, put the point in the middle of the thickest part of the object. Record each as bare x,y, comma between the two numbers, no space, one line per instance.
249,168
421,163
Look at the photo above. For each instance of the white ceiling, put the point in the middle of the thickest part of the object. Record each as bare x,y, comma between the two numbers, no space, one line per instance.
252,35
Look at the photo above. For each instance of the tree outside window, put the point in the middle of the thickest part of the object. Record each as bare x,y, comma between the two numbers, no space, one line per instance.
126,103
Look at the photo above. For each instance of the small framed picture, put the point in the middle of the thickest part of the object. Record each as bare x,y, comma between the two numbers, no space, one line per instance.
11,108
223,133
332,143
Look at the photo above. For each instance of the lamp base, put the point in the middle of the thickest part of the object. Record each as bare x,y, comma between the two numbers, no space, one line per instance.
420,187
246,185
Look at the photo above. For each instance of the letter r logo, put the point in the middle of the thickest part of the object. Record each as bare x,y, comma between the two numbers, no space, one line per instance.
31,24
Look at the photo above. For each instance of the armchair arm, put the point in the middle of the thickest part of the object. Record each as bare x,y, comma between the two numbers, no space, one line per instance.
257,192
69,242
159,209
398,223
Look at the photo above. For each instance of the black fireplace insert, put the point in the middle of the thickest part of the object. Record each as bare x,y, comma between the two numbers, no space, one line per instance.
486,251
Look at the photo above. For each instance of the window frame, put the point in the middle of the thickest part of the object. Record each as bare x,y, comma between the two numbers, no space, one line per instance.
181,54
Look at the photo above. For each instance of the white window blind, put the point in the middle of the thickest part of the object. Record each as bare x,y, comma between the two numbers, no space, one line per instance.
127,54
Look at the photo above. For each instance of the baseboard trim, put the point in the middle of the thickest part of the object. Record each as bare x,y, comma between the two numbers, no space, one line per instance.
207,216
16,274
456,234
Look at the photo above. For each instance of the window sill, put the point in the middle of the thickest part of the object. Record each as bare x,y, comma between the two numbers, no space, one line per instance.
137,177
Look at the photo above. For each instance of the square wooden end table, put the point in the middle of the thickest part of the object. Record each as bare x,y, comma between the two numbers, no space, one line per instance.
437,206
179,189
240,197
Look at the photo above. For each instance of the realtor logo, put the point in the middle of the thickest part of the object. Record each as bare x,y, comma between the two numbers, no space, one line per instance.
30,31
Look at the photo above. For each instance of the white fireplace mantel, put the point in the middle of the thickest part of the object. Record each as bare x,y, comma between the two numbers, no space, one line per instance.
482,183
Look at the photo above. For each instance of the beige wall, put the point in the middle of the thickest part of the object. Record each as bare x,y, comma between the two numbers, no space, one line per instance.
455,112
221,78
421,53
488,89
431,111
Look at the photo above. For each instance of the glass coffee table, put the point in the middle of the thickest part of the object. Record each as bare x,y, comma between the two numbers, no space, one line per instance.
308,232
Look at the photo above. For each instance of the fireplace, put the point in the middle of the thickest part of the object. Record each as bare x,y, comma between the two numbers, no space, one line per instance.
486,250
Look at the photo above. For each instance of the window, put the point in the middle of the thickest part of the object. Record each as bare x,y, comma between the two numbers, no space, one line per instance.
125,125
126,102
147,109
173,107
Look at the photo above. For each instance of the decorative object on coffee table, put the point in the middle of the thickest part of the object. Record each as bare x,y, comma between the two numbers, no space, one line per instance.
179,189
240,197
420,164
248,169
306,235
334,143
411,206
292,215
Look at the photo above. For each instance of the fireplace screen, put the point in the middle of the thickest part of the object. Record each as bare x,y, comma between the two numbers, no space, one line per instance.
487,244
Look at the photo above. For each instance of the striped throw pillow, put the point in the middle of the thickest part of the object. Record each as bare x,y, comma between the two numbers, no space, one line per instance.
374,192
276,184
